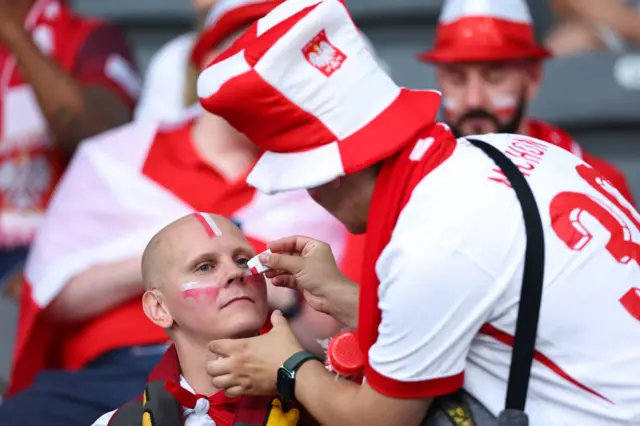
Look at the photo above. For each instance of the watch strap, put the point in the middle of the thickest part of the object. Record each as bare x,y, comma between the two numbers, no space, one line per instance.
295,361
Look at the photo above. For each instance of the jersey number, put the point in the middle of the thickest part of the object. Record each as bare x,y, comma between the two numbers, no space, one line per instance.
566,210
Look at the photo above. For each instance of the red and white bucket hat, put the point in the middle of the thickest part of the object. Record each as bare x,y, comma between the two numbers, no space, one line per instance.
227,17
301,84
484,30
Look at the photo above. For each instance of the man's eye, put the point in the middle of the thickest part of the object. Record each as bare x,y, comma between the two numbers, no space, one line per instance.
205,267
242,262
494,76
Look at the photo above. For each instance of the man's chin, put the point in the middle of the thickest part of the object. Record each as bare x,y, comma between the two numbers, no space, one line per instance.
247,325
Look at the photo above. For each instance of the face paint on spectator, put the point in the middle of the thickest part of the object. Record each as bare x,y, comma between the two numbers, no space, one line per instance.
209,224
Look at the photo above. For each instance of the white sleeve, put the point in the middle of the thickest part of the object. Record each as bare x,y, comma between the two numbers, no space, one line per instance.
104,419
433,299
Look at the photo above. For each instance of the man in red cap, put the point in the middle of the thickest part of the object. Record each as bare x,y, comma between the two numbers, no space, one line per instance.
488,67
436,308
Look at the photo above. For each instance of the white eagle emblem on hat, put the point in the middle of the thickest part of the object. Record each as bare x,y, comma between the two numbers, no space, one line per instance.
323,55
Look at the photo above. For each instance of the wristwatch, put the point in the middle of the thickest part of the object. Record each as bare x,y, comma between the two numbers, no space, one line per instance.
286,380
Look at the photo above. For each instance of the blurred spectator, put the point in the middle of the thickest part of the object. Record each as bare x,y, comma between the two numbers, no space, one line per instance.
81,322
170,81
63,78
588,25
489,69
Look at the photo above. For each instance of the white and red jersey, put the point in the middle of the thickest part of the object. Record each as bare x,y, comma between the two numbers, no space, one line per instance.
450,280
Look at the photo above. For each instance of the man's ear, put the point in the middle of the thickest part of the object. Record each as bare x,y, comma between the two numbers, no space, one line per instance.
155,310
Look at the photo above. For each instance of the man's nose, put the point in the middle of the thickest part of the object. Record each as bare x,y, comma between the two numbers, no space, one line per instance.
475,94
236,275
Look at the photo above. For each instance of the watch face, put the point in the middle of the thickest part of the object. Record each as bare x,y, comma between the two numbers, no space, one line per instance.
285,384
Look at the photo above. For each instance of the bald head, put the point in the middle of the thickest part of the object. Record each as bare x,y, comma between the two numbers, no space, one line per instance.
196,272
158,256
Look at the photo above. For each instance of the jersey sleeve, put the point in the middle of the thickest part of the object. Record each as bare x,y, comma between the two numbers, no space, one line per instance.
105,59
433,297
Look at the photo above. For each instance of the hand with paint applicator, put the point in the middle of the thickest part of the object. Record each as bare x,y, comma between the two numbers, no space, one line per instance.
308,265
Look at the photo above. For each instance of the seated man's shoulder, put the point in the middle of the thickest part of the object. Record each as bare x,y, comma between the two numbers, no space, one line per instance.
104,419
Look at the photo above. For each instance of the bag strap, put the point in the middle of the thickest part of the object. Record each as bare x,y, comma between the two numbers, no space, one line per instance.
532,280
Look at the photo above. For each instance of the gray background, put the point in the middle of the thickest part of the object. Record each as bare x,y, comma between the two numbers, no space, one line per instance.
582,94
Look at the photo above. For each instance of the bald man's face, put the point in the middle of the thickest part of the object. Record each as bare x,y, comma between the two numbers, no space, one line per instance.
201,281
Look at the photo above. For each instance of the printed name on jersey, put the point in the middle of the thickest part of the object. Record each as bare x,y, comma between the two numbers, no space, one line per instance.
525,153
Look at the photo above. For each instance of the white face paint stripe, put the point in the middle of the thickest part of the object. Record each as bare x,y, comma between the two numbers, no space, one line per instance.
193,285
504,102
212,223
206,219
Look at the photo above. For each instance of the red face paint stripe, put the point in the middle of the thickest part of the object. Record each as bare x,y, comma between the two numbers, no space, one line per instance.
208,224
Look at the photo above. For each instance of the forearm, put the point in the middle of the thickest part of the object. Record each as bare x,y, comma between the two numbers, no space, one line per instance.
343,304
329,401
342,402
309,326
612,14
69,108
97,290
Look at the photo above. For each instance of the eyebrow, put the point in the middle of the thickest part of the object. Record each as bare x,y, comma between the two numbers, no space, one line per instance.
211,256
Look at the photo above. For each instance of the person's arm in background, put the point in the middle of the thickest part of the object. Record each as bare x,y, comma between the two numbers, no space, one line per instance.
612,14
98,95
96,290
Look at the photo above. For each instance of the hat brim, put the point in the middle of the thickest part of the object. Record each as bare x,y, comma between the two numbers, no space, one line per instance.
495,54
279,172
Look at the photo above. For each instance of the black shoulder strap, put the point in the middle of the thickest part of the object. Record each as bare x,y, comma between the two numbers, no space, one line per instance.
532,280
129,414
157,408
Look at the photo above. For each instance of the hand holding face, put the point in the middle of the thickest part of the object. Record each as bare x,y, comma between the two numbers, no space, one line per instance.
250,366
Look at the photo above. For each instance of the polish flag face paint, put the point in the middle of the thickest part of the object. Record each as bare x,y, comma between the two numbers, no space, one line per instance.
255,267
209,225
197,290
504,105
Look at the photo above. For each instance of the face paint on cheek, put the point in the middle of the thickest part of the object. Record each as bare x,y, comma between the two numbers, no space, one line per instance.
504,105
210,226
199,291
449,107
